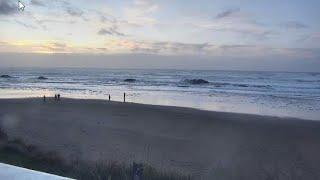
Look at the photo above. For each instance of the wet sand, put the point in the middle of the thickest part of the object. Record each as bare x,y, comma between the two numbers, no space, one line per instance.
202,143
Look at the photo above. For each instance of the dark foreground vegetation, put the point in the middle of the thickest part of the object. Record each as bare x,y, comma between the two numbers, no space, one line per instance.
16,152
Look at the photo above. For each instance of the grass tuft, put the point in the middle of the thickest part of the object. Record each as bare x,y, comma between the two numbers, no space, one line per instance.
17,153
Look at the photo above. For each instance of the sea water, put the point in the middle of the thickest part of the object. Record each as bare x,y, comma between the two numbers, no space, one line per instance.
266,93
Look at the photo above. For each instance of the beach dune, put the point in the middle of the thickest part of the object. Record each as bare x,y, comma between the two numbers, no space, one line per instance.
204,144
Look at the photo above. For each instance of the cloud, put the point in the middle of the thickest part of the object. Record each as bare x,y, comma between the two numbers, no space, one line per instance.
169,48
157,47
312,38
29,46
142,7
56,47
102,49
172,48
110,20
48,47
7,7
53,47
110,31
29,26
121,46
55,21
140,12
37,3
53,4
107,18
227,13
316,35
206,49
294,25
256,32
245,28
57,44
240,23
36,21
74,11
3,43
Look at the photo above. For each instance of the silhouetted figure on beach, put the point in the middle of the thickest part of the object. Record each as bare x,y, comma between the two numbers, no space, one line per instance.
124,97
109,97
55,97
58,97
44,98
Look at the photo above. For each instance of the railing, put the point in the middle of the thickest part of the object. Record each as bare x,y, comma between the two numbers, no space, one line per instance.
18,173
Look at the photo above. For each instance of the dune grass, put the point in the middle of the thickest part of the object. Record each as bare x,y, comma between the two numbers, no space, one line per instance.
16,152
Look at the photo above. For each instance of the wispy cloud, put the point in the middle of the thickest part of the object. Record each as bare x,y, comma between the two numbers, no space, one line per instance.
243,28
60,5
110,31
102,49
56,47
169,48
118,46
53,4
35,21
106,18
238,22
140,12
109,19
39,47
3,43
37,2
142,7
313,38
294,25
231,50
227,13
74,11
29,26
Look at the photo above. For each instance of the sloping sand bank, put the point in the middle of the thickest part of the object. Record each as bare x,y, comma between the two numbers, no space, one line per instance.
205,144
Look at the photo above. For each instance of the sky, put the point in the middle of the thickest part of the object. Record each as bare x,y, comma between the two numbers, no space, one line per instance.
178,34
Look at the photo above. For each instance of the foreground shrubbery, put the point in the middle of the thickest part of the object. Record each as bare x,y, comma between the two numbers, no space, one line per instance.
17,153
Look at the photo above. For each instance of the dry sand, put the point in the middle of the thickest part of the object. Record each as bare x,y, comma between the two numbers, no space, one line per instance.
208,145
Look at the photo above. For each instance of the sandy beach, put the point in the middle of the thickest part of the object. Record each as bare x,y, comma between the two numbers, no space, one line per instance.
201,143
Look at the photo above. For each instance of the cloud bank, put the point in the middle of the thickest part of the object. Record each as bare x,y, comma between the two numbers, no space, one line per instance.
7,7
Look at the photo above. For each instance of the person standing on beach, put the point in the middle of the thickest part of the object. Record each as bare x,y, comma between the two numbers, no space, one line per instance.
55,97
124,97
44,98
58,97
109,97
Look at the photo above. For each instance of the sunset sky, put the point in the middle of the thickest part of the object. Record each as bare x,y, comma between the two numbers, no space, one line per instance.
217,30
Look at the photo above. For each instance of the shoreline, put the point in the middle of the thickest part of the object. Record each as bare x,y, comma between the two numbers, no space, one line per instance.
181,139
51,98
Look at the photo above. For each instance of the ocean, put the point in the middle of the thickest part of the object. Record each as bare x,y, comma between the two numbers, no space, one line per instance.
282,94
